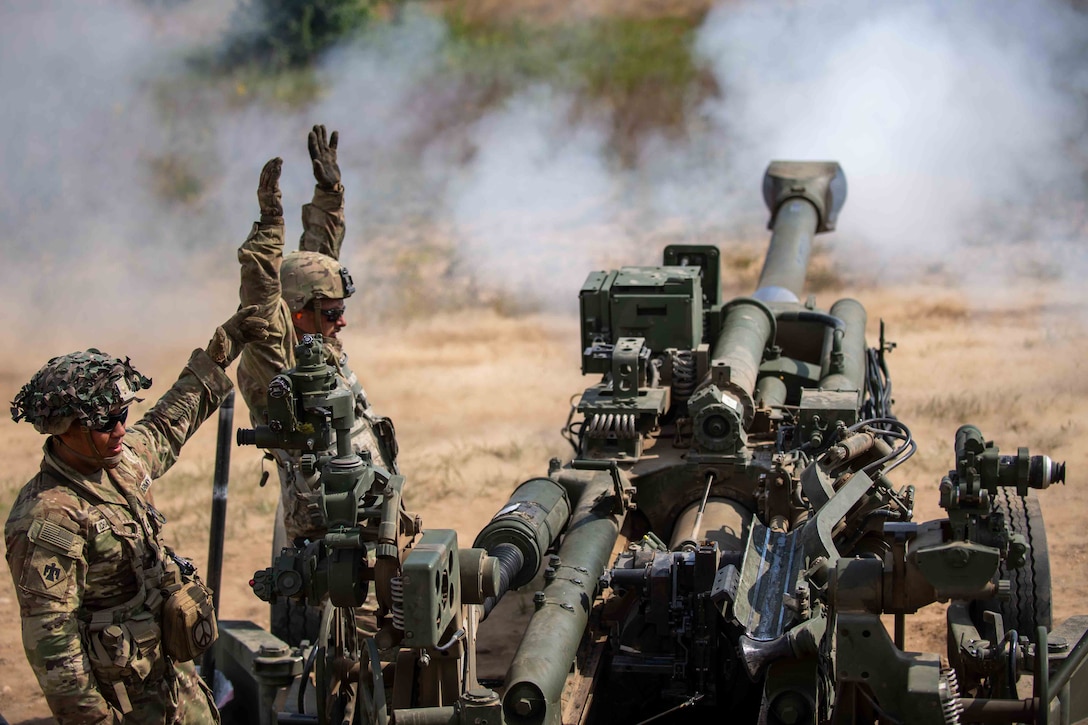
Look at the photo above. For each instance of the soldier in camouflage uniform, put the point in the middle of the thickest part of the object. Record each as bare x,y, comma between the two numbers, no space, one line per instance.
303,293
84,542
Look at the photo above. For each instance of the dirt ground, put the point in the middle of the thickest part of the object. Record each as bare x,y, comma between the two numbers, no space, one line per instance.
479,400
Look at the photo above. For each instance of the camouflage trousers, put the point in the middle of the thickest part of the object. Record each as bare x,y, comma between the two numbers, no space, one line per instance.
181,699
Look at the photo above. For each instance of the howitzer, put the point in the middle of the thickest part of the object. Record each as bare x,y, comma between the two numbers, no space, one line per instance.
726,536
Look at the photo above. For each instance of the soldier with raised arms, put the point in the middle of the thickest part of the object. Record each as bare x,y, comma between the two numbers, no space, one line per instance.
111,617
304,292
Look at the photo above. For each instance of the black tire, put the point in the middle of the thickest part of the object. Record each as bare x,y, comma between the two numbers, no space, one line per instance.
294,623
291,621
1030,600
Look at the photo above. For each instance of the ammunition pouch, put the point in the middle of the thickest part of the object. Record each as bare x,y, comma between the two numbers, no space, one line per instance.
124,653
188,620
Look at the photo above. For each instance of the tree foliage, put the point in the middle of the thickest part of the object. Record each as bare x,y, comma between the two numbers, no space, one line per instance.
291,33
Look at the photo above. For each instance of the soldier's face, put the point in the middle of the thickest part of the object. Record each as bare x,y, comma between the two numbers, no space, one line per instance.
330,318
106,443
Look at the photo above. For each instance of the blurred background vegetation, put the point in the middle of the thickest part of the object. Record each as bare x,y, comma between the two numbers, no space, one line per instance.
634,75
639,69
283,34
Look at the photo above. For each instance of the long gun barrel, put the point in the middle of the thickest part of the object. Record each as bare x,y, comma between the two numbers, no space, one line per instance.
804,198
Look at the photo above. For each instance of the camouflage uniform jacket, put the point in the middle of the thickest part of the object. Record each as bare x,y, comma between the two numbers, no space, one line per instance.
77,546
260,257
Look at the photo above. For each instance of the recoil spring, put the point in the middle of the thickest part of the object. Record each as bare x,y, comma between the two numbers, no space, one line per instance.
620,425
683,375
950,698
396,588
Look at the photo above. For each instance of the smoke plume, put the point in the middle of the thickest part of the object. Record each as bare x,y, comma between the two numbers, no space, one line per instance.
960,126
126,182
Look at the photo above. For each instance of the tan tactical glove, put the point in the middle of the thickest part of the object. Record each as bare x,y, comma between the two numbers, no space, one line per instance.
323,154
268,192
234,334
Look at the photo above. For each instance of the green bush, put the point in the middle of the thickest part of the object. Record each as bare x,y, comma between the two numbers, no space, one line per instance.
281,34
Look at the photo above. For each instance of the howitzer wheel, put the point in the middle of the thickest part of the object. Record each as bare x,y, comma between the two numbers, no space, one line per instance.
372,707
1029,604
337,666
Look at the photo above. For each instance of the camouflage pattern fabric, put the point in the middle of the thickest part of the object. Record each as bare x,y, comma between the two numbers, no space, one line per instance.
77,545
308,273
307,276
83,386
261,259
182,698
323,225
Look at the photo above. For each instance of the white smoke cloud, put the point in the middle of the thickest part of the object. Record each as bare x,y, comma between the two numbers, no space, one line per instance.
537,207
960,126
99,98
954,122
85,241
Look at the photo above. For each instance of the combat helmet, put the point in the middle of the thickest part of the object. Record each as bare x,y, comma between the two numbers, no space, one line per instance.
84,386
306,276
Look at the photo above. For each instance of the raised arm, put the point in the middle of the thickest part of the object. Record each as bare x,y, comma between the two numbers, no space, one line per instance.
260,257
262,253
157,438
323,218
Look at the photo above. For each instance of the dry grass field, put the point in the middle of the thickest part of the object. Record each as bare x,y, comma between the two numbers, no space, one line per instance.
479,399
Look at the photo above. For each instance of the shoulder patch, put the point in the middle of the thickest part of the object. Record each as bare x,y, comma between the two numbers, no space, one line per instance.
50,559
50,571
52,536
45,573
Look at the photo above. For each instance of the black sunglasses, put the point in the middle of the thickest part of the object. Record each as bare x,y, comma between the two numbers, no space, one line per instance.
333,314
111,422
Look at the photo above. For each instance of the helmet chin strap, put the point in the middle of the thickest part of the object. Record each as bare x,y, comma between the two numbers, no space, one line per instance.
97,460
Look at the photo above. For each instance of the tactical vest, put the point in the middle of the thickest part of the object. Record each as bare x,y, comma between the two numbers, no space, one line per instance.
124,642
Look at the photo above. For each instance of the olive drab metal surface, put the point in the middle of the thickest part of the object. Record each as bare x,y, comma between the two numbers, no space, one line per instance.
723,545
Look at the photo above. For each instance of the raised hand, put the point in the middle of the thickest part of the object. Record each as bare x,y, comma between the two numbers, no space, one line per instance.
245,326
268,192
323,154
242,328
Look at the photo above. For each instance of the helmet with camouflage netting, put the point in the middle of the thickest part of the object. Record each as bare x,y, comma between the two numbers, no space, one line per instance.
306,276
84,386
